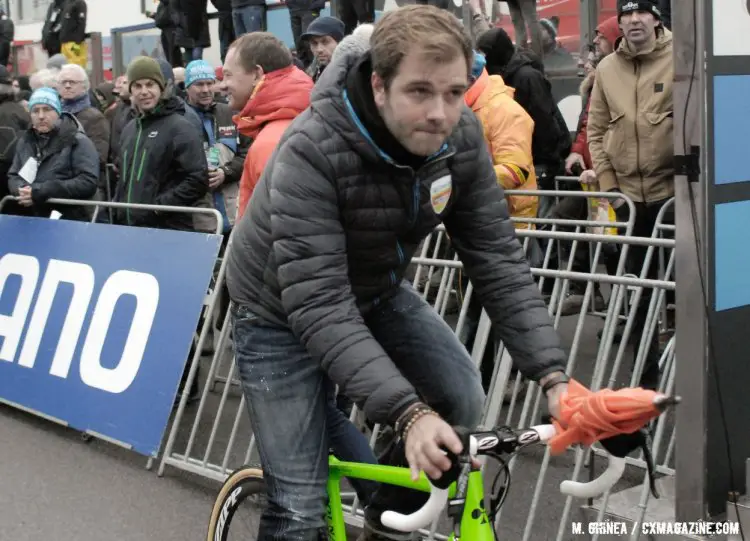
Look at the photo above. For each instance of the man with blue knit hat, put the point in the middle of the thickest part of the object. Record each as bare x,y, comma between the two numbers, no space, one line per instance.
54,159
323,36
224,148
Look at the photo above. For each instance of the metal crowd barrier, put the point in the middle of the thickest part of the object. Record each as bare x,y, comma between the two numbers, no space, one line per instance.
214,437
98,205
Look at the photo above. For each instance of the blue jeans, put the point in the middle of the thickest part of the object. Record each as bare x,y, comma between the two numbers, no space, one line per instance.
195,53
349,444
287,394
248,19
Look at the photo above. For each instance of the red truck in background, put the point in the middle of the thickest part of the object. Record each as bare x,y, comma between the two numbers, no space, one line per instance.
568,12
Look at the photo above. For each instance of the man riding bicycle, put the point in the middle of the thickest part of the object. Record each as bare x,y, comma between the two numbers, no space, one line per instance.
386,151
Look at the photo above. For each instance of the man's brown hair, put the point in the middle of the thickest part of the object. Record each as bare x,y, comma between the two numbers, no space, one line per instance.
262,49
437,32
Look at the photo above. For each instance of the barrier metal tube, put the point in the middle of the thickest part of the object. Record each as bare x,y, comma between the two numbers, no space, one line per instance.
137,206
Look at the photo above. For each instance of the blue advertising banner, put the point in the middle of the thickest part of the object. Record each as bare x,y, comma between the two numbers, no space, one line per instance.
96,322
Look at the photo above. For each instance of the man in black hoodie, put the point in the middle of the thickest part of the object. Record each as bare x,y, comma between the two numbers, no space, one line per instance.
523,71
161,153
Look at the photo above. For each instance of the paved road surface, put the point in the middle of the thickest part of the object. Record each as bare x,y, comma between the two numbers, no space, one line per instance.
55,487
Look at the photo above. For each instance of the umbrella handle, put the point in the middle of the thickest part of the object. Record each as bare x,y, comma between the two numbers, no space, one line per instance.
598,486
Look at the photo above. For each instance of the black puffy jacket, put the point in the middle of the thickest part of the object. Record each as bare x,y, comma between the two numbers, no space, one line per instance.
161,163
68,168
332,226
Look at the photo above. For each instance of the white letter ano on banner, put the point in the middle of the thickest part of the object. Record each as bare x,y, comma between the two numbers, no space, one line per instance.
145,288
11,327
81,277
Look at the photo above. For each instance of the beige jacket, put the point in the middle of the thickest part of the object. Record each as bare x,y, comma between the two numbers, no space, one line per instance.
630,121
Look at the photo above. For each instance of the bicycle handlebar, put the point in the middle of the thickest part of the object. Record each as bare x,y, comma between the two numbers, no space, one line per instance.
482,443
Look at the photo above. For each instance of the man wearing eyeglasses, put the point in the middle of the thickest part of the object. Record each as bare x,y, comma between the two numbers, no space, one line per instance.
73,85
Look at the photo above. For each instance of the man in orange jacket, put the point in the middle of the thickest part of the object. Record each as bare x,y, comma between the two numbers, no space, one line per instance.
508,130
270,91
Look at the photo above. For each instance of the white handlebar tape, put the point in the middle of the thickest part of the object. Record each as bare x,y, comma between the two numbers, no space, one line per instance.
419,519
598,486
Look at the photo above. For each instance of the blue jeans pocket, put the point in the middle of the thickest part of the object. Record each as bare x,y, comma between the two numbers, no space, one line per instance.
243,314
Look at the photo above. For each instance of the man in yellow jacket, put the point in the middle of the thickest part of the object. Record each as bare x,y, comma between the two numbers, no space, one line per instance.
507,130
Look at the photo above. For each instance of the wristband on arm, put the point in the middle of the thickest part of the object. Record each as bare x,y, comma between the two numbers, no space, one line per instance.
557,380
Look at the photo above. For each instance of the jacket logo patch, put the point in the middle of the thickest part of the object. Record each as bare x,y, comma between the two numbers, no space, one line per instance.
440,193
226,131
658,87
153,134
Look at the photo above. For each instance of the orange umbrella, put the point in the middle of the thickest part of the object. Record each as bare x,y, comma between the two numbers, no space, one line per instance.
587,416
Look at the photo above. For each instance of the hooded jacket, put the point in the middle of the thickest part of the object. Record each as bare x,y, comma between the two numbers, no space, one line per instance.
334,222
507,130
630,123
533,91
610,30
161,163
524,72
68,168
275,103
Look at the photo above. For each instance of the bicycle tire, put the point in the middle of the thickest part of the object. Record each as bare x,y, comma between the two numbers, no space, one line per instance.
236,489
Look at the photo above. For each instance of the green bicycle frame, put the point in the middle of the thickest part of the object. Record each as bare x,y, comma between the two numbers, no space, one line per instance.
474,524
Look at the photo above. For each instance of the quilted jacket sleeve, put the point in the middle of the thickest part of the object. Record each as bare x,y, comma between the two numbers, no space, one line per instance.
309,246
485,240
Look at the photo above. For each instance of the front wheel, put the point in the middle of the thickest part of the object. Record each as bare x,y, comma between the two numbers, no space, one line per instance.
238,507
